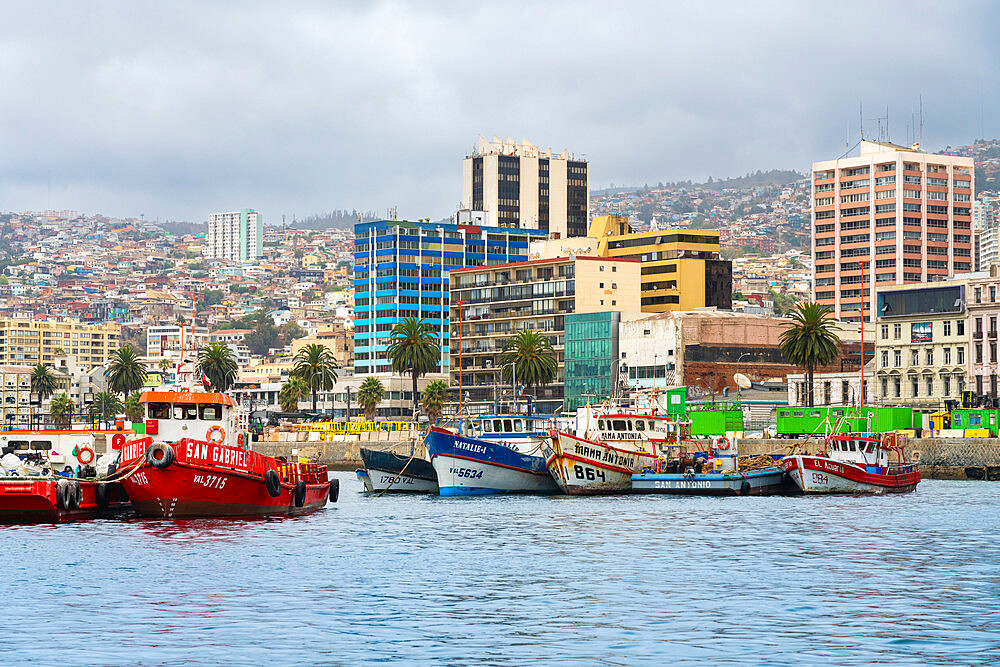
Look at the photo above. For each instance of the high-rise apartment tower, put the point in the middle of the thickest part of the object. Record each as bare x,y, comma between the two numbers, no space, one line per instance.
236,236
522,186
890,216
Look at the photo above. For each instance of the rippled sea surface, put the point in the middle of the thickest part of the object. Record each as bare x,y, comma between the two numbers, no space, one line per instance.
515,580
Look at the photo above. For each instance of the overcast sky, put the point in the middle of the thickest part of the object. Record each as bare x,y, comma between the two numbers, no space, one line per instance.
175,110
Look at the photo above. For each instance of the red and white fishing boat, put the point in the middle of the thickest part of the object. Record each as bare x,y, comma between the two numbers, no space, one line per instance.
854,464
54,475
196,461
607,448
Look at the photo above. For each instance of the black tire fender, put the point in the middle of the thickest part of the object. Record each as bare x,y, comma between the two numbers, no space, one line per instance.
160,455
745,488
102,493
62,494
272,483
300,493
75,498
334,490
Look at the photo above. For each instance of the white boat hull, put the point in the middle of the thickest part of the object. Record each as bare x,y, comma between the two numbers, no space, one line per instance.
464,477
819,475
378,480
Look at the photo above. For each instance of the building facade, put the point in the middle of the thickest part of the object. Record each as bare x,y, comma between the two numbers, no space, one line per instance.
682,269
890,216
401,269
922,340
591,357
237,236
491,304
519,185
30,342
983,313
166,340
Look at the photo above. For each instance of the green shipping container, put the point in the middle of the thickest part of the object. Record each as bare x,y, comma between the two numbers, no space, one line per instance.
715,422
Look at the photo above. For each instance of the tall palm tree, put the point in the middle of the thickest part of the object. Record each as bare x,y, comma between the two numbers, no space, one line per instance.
106,406
434,399
315,364
293,391
530,356
133,409
370,394
125,372
413,348
218,363
810,340
61,408
43,381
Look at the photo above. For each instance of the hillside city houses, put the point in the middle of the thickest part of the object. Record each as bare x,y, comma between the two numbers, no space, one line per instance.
656,286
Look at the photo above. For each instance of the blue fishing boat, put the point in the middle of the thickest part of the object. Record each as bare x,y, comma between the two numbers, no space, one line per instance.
767,481
491,454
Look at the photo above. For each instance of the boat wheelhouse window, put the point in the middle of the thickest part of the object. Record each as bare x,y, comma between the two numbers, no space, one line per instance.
850,444
185,411
497,425
618,425
507,426
600,424
159,410
211,412
41,445
640,425
871,447
519,425
19,444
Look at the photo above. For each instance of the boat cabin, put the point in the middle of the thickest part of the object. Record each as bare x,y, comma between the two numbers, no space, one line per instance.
860,450
592,423
207,416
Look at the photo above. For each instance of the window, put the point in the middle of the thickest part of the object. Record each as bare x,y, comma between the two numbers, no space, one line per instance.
947,385
947,355
915,358
897,331
979,299
929,382
885,388
885,332
930,356
947,327
960,328
914,388
979,353
211,412
960,355
159,411
885,358
897,358
185,411
897,387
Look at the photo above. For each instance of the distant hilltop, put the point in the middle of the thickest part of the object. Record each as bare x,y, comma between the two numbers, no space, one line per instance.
775,178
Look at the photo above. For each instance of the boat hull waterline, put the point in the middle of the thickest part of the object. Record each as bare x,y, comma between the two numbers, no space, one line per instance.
198,484
588,467
26,500
764,482
470,466
820,475
394,473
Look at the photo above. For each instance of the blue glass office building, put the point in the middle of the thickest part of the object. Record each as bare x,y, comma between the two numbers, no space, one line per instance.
401,270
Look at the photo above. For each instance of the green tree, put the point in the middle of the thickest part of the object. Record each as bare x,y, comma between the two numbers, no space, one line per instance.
218,362
293,391
413,348
125,372
810,340
134,411
530,356
434,400
370,394
315,364
43,381
106,406
62,408
262,338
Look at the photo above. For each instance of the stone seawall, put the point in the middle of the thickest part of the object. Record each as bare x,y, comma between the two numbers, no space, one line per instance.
939,458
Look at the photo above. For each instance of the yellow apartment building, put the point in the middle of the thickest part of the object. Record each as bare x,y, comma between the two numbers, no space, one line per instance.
29,342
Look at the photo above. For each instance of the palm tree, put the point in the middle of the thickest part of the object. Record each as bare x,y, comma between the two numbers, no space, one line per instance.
125,372
43,382
106,406
530,356
810,340
370,394
61,408
413,348
315,364
434,399
133,409
291,393
218,363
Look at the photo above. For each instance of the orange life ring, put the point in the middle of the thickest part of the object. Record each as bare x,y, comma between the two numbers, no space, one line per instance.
90,457
722,443
216,429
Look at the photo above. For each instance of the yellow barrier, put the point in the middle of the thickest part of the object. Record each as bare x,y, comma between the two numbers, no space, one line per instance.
977,433
342,428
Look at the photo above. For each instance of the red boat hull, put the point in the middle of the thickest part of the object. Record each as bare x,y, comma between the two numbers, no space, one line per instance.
211,480
34,501
818,474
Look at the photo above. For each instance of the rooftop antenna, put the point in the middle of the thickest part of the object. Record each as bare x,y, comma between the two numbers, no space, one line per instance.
920,136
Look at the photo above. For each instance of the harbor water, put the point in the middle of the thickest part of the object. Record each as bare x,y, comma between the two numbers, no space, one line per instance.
907,579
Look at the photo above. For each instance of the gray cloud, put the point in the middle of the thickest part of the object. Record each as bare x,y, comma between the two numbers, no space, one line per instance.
176,110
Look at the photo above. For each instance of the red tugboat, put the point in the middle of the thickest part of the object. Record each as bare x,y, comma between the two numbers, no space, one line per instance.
854,464
196,461
54,476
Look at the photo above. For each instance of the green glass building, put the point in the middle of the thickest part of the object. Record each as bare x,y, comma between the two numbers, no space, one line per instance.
591,350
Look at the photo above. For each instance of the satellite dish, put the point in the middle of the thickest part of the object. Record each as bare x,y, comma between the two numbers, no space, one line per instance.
742,381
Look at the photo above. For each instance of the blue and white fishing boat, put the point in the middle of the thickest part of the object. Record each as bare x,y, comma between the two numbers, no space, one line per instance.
492,454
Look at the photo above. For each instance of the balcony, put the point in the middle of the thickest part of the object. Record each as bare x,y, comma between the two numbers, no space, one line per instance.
992,334
977,335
